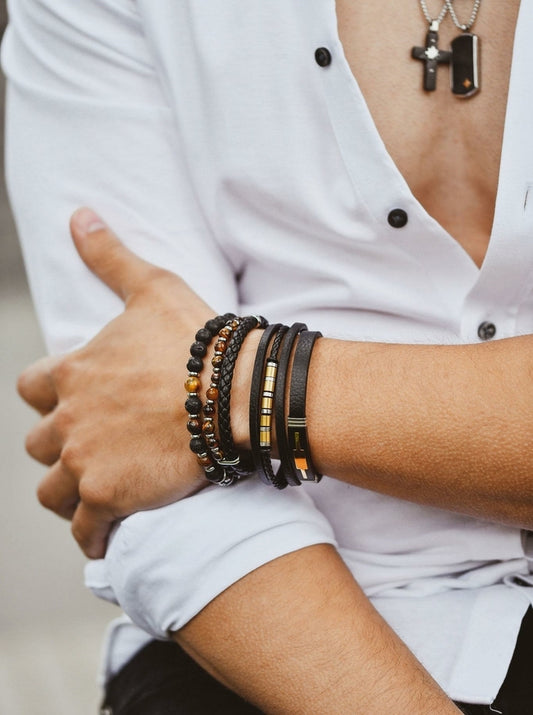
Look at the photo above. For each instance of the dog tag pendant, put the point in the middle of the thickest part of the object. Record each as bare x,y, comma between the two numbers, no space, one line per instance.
465,65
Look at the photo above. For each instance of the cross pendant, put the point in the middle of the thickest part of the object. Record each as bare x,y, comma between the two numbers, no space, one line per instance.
432,56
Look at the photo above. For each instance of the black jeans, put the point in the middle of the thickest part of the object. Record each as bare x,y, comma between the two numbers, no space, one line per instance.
163,680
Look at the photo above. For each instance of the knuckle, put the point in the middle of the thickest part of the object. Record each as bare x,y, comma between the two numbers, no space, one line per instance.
96,495
85,541
30,443
22,385
62,420
80,535
71,458
45,496
64,369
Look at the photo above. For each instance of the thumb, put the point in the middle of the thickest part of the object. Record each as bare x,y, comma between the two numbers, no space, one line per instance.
106,256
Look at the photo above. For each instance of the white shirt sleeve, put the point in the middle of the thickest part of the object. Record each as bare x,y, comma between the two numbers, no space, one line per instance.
88,123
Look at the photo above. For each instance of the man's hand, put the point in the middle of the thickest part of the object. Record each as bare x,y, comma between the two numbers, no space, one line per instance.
113,428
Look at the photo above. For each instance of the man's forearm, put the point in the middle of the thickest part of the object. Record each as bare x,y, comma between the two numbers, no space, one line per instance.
298,636
448,426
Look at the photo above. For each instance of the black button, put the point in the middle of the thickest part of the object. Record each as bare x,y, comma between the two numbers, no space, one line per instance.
397,218
486,330
323,56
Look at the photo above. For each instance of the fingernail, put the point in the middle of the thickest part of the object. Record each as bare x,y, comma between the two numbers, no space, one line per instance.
87,221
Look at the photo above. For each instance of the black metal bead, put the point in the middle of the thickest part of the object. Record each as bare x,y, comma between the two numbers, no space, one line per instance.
198,349
195,364
193,405
197,445
203,335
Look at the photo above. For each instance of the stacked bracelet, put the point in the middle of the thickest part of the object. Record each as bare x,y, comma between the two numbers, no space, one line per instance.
282,359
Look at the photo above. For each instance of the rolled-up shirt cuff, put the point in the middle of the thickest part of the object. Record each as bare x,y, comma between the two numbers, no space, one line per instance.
163,566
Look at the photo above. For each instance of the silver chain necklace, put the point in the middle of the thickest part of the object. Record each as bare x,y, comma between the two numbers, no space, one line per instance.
464,27
463,57
439,18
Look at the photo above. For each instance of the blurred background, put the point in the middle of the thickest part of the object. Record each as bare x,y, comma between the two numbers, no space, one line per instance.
51,628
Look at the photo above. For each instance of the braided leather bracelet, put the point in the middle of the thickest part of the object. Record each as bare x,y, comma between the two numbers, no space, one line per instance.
242,465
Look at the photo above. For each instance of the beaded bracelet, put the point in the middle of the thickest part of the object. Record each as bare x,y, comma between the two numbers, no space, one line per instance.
242,464
193,404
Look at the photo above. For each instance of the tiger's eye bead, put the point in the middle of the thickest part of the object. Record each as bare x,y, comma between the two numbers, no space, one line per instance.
192,384
197,445
221,346
209,410
216,360
195,364
208,427
218,454
203,335
205,461
194,426
225,333
198,349
215,378
212,393
193,405
211,442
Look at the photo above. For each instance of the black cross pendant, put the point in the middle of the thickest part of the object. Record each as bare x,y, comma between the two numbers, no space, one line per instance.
432,56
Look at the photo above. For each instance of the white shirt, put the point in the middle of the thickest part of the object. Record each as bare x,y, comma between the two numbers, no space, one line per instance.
209,138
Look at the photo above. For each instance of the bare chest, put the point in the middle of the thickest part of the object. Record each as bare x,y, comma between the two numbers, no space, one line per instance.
447,148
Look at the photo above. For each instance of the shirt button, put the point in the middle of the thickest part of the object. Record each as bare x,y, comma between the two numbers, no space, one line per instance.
486,330
397,218
323,56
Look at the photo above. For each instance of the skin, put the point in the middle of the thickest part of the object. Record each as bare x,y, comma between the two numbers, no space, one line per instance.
93,398
454,170
451,448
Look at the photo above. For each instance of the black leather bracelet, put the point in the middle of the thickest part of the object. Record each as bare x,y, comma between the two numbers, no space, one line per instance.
262,466
232,459
297,421
287,470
